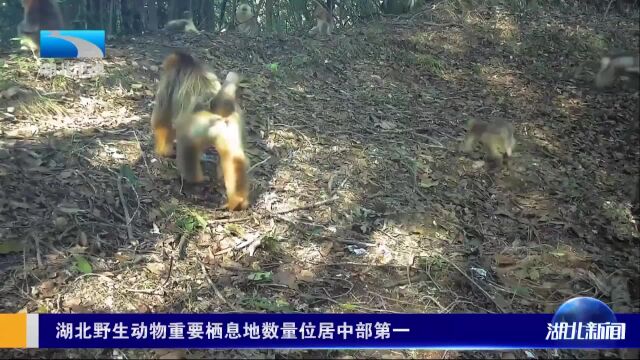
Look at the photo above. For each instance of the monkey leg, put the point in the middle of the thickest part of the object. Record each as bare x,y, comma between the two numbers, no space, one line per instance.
468,143
234,168
188,159
163,134
495,157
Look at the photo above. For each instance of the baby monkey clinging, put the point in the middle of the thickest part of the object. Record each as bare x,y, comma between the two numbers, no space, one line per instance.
495,137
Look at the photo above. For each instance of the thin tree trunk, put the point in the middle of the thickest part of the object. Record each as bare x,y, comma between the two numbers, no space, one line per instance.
269,14
152,10
223,9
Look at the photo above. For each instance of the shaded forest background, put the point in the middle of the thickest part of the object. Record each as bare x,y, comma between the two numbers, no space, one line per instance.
133,17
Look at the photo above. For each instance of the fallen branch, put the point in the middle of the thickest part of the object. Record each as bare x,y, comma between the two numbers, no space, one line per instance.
144,157
38,254
608,7
484,292
126,210
310,206
241,245
166,281
355,242
215,288
258,164
146,291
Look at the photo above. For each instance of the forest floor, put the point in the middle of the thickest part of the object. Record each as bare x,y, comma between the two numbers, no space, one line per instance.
361,200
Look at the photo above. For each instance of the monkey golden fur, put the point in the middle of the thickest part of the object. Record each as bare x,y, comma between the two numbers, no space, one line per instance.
39,15
247,22
192,107
324,22
222,125
183,84
496,138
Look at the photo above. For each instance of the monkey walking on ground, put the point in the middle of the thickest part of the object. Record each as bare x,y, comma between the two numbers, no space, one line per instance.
193,108
247,22
612,68
182,25
324,21
38,15
496,138
615,66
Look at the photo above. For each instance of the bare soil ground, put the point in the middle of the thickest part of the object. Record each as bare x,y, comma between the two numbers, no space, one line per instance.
361,200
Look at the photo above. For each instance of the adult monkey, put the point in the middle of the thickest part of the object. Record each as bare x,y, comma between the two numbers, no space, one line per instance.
397,6
39,15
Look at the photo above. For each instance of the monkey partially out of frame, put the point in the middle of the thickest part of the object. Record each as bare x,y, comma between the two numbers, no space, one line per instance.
39,15
324,21
614,66
247,22
496,139
193,108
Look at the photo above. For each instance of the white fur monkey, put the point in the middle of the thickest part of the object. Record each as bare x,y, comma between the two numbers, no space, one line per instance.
247,22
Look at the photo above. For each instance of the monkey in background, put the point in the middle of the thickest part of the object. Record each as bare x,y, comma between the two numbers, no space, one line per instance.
182,25
398,6
192,107
324,21
247,22
614,66
496,138
39,15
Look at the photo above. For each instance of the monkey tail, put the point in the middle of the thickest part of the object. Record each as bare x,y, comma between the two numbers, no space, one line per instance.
240,197
224,103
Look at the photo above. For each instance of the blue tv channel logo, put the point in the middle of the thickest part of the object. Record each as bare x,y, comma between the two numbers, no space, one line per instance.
72,44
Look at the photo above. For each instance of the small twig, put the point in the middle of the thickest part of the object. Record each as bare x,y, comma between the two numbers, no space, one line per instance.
355,242
146,291
38,254
239,246
405,281
608,7
229,220
258,164
144,158
135,212
126,210
215,288
484,292
166,281
306,207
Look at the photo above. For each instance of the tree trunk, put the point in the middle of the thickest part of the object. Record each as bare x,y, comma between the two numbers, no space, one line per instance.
110,6
177,8
207,15
139,16
269,14
223,9
152,11
125,16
